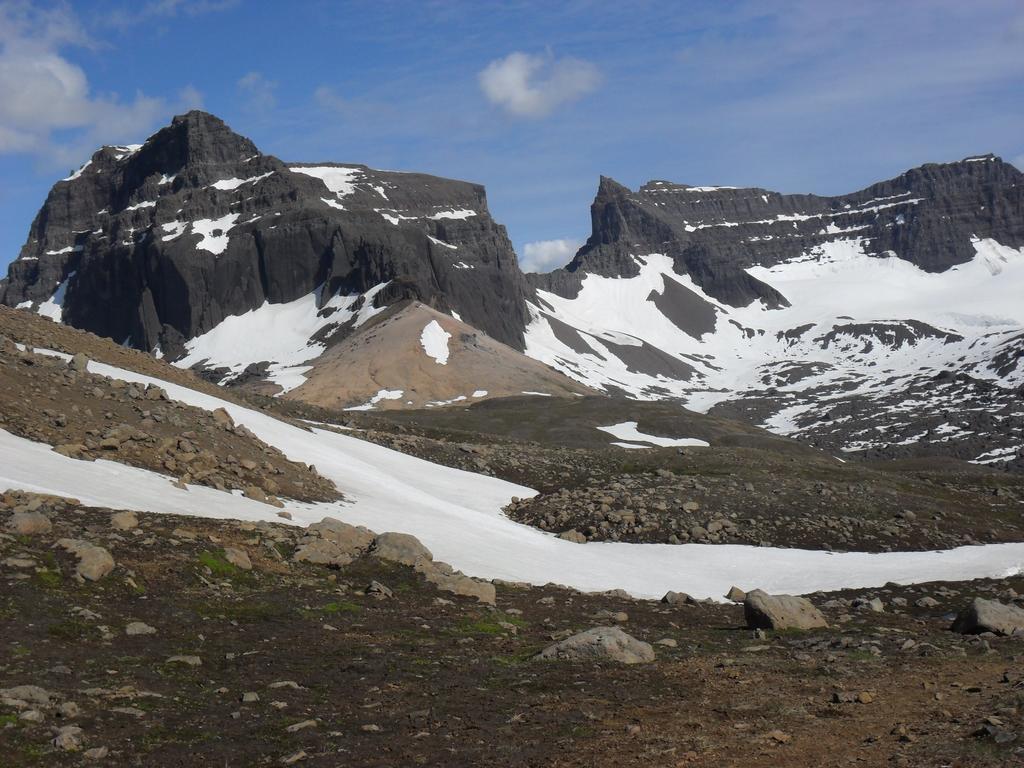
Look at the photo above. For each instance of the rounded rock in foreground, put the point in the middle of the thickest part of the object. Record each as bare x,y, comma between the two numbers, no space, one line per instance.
600,643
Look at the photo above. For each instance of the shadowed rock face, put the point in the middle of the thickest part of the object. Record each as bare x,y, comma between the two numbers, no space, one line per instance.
927,216
157,244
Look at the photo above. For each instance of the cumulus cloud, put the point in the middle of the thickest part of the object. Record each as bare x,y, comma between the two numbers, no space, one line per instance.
533,85
42,92
546,255
260,92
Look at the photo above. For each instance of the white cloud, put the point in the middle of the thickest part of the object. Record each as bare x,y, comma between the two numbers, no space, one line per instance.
546,255
259,91
42,92
534,85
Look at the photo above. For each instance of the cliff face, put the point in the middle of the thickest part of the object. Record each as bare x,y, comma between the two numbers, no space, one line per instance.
928,216
159,243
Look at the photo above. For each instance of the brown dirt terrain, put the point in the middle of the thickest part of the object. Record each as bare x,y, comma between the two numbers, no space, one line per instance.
425,678
387,354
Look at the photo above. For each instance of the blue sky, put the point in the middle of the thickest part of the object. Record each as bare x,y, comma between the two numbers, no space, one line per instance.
533,102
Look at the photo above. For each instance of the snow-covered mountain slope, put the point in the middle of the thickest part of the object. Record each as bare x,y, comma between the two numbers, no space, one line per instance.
458,516
859,334
886,321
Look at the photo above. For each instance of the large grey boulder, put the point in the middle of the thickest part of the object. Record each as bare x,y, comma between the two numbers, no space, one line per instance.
332,542
459,584
764,611
29,523
600,644
400,548
989,616
93,562
354,539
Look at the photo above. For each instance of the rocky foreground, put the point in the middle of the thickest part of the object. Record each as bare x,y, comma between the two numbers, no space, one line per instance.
136,639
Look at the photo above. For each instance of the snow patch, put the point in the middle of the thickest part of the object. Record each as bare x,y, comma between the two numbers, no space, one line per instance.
434,340
462,213
627,430
214,232
383,394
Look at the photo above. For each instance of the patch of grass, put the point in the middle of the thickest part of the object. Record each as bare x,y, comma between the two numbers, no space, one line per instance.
6,720
217,564
69,629
222,569
489,624
48,579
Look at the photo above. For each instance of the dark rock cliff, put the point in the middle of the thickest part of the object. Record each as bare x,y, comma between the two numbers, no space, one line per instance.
927,216
157,244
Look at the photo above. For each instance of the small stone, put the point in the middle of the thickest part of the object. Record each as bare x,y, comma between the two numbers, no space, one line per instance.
378,590
250,697
191,661
293,758
68,738
370,728
96,753
139,628
295,727
668,642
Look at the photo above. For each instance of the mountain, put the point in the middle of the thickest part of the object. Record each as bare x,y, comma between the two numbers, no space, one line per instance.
888,320
159,243
885,322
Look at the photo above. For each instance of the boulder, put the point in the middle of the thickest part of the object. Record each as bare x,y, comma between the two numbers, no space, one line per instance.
79,363
600,644
989,616
458,584
25,696
676,598
29,524
322,552
764,611
354,539
400,548
736,594
124,521
223,418
574,536
238,558
93,562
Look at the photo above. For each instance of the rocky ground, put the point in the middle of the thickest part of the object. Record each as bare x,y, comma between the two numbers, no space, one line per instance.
769,492
155,640
205,641
87,416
